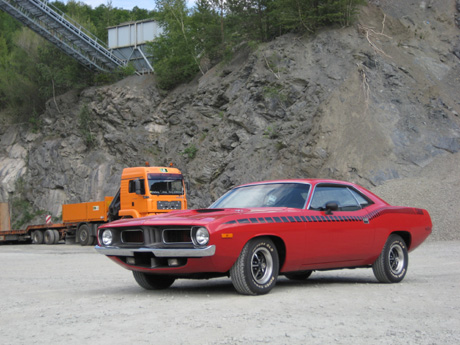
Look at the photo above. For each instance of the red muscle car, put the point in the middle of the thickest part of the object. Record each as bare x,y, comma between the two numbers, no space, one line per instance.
258,231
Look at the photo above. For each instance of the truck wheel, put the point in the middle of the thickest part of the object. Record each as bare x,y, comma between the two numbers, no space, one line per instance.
153,281
37,237
84,235
49,236
57,236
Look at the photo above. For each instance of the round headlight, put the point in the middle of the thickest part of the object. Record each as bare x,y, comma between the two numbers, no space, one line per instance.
107,237
202,236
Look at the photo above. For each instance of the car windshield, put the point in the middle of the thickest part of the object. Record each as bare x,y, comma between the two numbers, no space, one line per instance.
265,195
160,184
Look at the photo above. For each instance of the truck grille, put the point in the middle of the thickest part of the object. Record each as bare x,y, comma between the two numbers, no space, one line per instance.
169,205
132,236
177,236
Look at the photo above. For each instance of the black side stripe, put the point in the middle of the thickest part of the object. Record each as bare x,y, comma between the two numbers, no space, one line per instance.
296,219
320,219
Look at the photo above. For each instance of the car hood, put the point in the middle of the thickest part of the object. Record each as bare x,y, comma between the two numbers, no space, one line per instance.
195,217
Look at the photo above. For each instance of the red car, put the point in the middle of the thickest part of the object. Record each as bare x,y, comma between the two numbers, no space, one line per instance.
258,231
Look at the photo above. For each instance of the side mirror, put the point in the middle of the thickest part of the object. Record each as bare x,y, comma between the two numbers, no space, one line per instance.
137,186
187,186
331,206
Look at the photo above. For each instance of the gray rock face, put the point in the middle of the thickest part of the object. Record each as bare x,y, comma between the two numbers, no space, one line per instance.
367,104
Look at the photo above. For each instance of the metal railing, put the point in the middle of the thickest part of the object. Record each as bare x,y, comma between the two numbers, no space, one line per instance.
64,32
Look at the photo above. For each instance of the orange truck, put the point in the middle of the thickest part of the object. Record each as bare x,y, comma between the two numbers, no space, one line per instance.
143,191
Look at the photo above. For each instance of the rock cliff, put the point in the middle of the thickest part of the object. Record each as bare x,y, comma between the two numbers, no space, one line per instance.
369,103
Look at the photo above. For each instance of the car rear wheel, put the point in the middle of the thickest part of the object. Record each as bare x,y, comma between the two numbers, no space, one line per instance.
391,265
299,276
256,269
153,281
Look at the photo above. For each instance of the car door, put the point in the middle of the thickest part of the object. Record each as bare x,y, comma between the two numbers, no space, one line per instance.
337,229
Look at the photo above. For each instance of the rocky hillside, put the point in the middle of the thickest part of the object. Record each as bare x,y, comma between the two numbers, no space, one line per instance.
374,102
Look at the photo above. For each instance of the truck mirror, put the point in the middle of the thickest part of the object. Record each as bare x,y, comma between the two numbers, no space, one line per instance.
137,186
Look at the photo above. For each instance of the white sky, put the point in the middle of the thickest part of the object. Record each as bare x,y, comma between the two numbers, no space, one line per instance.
127,4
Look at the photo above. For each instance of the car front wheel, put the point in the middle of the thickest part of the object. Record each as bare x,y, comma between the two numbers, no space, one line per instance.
256,269
391,265
153,281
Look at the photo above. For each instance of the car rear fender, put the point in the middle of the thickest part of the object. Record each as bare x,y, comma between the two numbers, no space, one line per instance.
406,236
380,242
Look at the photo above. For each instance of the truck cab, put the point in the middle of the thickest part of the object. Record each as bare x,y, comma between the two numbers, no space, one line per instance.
150,190
144,191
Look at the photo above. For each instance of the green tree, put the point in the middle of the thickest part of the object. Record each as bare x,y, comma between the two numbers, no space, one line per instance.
58,73
251,18
309,15
209,30
18,92
175,52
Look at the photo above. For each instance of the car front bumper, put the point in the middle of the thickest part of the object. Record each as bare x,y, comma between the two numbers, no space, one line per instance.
159,252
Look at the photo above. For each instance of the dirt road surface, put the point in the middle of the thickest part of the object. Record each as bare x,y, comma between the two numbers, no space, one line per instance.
66,294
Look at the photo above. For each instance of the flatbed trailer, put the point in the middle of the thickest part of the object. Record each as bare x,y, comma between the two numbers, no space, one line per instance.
82,218
44,233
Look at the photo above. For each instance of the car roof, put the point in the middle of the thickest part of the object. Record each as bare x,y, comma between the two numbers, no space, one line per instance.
312,181
315,181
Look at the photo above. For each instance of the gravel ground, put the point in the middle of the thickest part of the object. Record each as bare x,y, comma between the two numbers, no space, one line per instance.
436,188
66,294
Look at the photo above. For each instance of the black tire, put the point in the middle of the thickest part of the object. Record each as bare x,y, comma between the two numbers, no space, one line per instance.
84,235
37,237
57,236
153,281
256,269
299,276
49,236
391,265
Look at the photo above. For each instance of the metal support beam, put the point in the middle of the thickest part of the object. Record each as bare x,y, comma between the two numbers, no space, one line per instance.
74,40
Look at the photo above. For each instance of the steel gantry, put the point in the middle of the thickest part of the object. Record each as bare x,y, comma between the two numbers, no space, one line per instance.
74,40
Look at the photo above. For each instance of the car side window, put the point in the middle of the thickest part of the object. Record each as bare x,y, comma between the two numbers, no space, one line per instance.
340,195
363,201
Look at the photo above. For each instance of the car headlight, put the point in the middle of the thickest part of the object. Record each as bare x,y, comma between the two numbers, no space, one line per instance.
107,237
201,236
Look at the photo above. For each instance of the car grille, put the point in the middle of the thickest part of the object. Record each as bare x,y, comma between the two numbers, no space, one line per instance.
177,236
132,236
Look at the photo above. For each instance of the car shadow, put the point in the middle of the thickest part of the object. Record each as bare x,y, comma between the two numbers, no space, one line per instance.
326,280
224,286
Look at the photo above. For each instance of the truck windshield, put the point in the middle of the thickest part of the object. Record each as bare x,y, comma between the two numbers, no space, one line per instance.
166,184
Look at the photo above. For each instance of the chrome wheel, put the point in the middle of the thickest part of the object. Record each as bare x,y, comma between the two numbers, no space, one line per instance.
391,265
262,265
256,269
396,259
